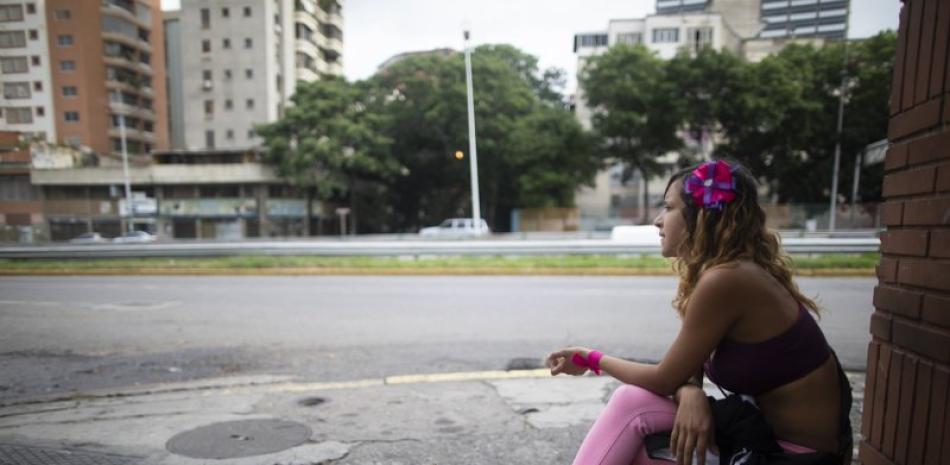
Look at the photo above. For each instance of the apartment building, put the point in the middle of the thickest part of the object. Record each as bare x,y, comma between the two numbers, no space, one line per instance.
752,29
27,105
242,59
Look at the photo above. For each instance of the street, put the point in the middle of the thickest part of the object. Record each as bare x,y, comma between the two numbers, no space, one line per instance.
63,334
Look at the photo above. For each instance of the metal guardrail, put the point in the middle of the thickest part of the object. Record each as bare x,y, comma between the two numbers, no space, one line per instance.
485,247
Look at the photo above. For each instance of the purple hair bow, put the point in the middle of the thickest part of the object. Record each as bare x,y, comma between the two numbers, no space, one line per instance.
712,184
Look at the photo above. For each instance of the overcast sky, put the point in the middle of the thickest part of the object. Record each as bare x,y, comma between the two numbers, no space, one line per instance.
375,30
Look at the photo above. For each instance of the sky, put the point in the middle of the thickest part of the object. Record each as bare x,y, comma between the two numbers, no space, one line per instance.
375,30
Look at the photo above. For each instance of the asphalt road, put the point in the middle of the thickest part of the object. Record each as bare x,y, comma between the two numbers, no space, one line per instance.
60,334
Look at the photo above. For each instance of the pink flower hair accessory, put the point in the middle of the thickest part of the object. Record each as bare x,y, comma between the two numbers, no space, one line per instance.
712,185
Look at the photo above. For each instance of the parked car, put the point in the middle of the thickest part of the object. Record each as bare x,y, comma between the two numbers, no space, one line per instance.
457,227
640,235
88,238
134,237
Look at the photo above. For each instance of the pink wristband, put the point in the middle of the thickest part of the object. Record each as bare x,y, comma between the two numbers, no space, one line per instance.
592,362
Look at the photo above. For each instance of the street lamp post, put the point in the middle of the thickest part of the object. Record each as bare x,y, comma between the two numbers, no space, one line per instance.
841,100
125,172
473,161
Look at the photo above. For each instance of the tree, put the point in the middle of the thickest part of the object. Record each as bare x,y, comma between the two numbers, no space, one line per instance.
636,111
327,143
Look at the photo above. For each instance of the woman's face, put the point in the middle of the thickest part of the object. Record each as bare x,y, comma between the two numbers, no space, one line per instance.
671,221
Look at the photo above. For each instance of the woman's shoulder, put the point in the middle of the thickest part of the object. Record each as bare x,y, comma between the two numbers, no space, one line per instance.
734,279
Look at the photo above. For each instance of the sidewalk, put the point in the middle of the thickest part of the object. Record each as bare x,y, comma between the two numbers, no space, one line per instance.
522,417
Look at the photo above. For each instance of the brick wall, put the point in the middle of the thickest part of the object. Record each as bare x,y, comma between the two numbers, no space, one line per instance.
906,409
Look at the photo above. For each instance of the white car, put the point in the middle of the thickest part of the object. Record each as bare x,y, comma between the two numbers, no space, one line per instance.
134,237
457,227
88,238
639,235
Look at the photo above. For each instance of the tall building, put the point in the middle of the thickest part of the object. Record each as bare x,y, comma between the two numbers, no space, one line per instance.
242,59
27,105
752,29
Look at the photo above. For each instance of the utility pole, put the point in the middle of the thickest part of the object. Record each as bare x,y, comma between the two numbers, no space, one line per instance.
473,161
841,99
125,172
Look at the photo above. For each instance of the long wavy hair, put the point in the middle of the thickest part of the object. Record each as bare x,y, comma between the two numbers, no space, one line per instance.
724,237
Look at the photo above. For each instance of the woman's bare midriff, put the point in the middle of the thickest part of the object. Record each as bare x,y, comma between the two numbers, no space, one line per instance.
805,411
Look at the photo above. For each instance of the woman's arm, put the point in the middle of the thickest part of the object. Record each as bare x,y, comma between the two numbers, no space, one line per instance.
711,312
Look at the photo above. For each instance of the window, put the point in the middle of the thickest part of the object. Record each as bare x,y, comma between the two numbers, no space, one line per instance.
227,74
801,16
67,65
38,86
251,134
19,115
65,40
248,43
249,73
34,35
225,12
206,46
62,15
249,103
205,18
148,126
11,13
206,75
247,12
13,65
31,8
70,91
226,43
209,108
209,139
35,59
15,90
229,135
40,111
71,116
228,104
11,39
666,35
699,37
629,38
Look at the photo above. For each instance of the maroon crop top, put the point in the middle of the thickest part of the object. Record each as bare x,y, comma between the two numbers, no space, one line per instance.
758,367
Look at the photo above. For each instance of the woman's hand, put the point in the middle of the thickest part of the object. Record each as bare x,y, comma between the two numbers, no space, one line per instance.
693,429
560,361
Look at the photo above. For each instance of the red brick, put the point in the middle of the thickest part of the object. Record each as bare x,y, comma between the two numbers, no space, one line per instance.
911,60
927,274
896,157
930,148
938,416
892,407
900,52
936,310
909,182
939,244
918,429
926,341
918,119
906,408
905,242
881,326
943,173
880,395
927,212
871,456
940,49
871,376
887,270
898,301
891,213
925,59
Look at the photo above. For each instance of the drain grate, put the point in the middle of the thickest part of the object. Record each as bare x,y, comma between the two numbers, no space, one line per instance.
242,438
30,455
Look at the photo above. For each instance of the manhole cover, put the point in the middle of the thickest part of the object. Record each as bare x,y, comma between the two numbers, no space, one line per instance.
242,438
30,455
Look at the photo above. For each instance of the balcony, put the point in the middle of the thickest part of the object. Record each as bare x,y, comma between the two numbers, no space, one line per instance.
135,42
112,7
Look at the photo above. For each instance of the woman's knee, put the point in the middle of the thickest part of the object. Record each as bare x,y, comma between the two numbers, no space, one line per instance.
629,397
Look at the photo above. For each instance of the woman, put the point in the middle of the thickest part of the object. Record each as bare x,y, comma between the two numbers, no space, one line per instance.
744,322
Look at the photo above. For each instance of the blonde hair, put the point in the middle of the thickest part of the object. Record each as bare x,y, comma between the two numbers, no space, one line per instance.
724,237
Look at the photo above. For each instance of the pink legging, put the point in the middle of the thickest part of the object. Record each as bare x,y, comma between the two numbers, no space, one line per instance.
632,414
